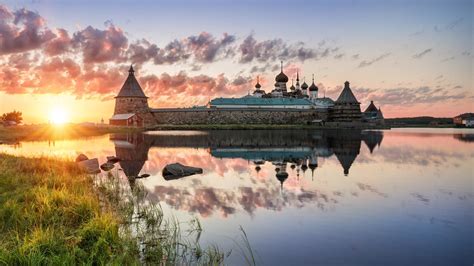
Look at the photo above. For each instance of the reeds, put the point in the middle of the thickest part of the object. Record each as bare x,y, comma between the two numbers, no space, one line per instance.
51,213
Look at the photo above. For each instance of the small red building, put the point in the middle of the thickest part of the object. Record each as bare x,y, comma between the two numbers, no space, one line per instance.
126,120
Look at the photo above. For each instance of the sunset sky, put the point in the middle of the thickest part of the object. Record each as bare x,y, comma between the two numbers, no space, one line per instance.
411,57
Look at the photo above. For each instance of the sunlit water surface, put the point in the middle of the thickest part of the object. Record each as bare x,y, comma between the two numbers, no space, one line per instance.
403,196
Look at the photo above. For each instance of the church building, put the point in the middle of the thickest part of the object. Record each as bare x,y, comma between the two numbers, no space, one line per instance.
296,105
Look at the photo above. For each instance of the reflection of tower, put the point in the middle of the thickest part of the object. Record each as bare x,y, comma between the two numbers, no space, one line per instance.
257,169
304,167
372,139
313,163
346,146
133,152
282,175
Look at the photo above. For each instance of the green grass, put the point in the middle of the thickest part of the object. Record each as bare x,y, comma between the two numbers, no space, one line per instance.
53,214
50,214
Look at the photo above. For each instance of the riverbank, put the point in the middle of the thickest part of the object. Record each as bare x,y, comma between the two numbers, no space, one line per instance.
251,127
53,213
50,213
56,132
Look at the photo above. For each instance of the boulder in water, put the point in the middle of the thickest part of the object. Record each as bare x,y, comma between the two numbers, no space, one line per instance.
81,157
107,166
142,176
177,170
90,166
113,159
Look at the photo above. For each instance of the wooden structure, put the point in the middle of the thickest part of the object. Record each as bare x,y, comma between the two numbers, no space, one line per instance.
346,108
126,120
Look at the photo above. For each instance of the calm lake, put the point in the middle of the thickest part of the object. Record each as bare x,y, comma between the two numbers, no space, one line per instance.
401,196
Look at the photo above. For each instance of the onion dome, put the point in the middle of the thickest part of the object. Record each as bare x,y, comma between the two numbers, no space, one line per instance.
313,87
304,86
258,86
292,86
281,77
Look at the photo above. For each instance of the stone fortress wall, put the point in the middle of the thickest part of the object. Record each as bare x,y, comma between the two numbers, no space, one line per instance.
195,116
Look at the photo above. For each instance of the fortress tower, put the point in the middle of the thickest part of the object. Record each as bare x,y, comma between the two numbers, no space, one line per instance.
131,105
346,107
131,98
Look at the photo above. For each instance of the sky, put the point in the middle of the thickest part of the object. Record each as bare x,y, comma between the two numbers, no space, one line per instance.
69,59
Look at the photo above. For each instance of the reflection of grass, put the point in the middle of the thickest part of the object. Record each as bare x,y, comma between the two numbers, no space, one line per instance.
55,132
52,213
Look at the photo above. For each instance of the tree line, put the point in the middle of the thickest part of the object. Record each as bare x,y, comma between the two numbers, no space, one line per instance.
14,116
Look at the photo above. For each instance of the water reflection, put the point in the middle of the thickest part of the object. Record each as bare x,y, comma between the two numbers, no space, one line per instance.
285,153
400,197
299,149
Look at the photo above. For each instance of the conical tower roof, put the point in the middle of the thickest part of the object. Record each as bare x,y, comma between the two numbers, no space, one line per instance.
131,87
346,95
371,107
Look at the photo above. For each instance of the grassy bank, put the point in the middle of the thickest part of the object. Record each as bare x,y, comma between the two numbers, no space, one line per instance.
55,132
52,213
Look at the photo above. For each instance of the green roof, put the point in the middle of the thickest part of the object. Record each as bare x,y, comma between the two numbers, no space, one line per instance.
260,101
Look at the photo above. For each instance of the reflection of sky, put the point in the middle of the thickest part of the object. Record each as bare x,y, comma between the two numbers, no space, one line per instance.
410,201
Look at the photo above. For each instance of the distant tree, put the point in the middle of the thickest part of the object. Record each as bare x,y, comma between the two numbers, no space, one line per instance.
13,116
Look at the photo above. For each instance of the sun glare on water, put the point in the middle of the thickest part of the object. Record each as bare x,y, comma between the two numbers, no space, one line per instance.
58,116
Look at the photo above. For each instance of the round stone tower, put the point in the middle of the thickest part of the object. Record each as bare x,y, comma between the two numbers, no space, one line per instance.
131,98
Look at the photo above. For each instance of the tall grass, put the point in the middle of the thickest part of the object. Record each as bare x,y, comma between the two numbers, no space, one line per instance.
159,240
52,213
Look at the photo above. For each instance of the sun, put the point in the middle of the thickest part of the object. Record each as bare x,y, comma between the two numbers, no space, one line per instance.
58,116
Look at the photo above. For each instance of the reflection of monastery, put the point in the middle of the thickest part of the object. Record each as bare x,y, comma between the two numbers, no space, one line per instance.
299,150
298,104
